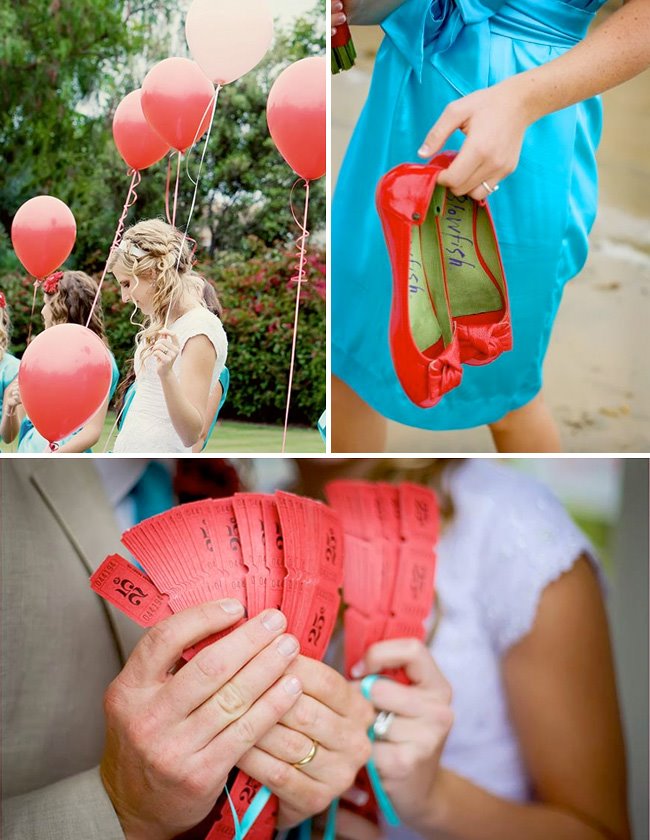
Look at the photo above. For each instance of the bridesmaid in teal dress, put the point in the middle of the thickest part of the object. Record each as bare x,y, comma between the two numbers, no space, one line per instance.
514,86
9,364
68,298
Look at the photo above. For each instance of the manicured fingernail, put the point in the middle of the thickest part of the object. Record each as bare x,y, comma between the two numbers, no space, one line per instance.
339,19
274,620
423,151
292,685
357,670
288,645
337,7
232,606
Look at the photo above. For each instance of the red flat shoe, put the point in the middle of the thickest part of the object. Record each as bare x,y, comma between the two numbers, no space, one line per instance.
423,344
467,256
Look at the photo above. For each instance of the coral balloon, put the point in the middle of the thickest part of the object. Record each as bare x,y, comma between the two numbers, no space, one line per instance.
226,38
43,233
175,98
64,378
296,116
136,141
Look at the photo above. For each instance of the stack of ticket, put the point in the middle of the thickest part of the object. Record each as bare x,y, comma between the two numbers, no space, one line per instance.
390,536
280,551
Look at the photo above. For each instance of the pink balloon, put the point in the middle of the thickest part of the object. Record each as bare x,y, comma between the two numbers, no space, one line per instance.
136,141
175,97
296,115
64,378
227,38
43,234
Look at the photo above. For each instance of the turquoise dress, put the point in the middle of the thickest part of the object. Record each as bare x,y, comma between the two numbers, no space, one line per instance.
224,379
29,440
8,371
433,52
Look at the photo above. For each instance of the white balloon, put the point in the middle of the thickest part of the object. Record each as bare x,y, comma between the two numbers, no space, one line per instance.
227,38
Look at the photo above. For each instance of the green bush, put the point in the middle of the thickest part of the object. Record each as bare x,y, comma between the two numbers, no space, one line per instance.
259,297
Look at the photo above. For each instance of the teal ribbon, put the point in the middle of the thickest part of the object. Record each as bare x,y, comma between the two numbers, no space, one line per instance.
251,814
304,829
390,815
330,826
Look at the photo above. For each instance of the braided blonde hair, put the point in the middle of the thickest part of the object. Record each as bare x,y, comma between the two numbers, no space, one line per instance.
5,330
165,248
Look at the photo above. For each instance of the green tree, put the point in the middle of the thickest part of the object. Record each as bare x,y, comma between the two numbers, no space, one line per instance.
64,67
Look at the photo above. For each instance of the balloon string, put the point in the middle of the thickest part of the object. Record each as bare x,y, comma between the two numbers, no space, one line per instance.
196,188
31,314
178,174
299,278
169,172
196,133
131,198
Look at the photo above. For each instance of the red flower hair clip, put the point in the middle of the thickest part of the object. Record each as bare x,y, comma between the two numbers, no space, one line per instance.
51,283
3,301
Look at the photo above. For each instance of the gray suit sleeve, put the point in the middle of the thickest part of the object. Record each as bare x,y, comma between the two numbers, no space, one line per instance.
77,808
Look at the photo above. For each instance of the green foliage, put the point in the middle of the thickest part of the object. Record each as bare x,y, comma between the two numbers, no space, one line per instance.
19,292
64,67
259,300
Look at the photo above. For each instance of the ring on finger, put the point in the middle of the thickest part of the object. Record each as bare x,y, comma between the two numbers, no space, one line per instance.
310,755
382,725
488,188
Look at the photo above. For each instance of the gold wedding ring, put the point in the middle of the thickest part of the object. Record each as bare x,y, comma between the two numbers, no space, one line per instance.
310,755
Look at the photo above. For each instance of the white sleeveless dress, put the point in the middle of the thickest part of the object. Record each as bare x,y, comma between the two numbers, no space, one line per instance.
509,538
147,426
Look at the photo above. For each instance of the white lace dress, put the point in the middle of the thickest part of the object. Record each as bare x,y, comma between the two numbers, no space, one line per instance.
147,426
509,538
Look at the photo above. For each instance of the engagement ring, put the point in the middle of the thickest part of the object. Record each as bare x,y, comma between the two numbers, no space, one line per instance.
488,188
382,724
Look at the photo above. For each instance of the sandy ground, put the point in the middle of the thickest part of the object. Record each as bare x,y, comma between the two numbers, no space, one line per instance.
596,371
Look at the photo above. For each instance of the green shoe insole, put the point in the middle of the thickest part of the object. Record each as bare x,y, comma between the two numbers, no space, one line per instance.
471,291
428,311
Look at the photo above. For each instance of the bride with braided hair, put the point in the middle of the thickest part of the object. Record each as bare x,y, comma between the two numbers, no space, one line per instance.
181,348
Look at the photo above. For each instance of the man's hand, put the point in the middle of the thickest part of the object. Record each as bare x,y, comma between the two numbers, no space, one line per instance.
331,712
173,737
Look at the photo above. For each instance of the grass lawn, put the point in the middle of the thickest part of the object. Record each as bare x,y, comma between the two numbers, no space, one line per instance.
231,436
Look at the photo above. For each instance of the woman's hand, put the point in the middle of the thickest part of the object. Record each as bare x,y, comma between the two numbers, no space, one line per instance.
338,15
165,351
12,398
12,412
408,756
494,121
331,712
361,12
172,738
